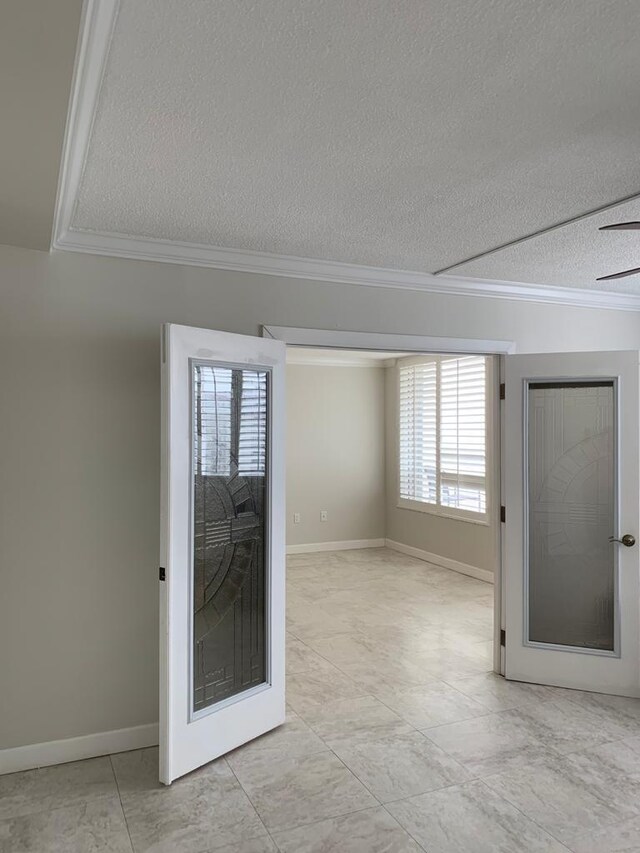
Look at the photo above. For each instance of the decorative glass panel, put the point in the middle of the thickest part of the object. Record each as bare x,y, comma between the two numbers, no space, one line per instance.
571,513
229,555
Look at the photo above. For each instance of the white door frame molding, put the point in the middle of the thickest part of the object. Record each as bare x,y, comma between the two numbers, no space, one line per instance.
339,339
384,342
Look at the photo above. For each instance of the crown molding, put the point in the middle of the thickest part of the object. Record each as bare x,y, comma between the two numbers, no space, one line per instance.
96,32
288,266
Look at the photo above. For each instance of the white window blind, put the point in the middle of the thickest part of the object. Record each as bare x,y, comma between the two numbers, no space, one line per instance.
418,434
212,420
443,441
252,441
230,419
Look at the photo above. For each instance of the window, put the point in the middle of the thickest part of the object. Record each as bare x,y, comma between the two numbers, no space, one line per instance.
443,435
230,417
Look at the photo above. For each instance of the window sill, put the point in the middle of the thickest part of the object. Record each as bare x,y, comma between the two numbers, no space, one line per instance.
482,520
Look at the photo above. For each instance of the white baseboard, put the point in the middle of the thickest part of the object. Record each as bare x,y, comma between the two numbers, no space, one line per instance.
445,562
76,748
343,545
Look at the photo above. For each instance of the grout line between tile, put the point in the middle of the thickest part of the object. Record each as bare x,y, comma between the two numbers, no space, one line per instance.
403,828
320,820
124,814
252,803
526,816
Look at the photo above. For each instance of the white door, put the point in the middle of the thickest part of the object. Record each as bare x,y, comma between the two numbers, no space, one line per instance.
222,599
571,468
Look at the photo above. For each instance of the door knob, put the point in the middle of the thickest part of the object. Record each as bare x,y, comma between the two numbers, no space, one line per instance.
627,540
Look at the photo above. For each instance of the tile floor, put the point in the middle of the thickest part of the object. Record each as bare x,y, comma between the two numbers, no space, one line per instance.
398,739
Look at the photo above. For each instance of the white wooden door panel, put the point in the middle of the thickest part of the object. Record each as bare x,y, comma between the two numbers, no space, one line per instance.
571,475
222,604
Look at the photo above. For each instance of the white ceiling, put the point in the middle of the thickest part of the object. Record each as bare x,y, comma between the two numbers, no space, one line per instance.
572,256
406,134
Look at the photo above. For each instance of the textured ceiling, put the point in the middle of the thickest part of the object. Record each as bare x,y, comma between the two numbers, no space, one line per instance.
571,256
408,134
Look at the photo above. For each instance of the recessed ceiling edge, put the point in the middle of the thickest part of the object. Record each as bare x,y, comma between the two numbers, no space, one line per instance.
96,31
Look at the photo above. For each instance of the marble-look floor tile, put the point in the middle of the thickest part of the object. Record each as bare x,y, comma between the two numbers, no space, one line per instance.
621,710
296,791
497,694
373,679
97,826
300,656
200,812
433,704
255,845
54,787
482,651
469,818
564,726
572,795
137,770
311,622
370,662
292,739
489,744
307,561
322,682
351,649
369,831
619,838
448,663
353,721
612,767
401,766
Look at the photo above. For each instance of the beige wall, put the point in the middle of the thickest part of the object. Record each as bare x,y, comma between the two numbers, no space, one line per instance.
80,450
462,541
37,48
335,453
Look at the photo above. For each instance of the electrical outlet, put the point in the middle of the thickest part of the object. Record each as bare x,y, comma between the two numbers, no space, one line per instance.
296,518
324,515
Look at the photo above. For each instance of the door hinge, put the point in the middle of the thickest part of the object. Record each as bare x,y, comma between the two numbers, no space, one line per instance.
162,574
503,514
503,390
503,637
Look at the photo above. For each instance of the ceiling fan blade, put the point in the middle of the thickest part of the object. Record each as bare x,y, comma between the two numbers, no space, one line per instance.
634,271
621,226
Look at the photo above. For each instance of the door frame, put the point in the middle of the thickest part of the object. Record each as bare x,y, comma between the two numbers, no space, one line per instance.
423,345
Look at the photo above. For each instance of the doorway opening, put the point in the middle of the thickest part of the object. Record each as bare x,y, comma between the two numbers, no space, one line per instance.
386,634
393,527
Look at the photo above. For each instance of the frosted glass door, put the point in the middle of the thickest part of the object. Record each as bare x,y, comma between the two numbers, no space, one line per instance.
571,513
222,618
571,492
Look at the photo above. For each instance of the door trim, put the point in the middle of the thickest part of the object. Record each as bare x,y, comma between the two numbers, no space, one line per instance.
424,344
332,338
